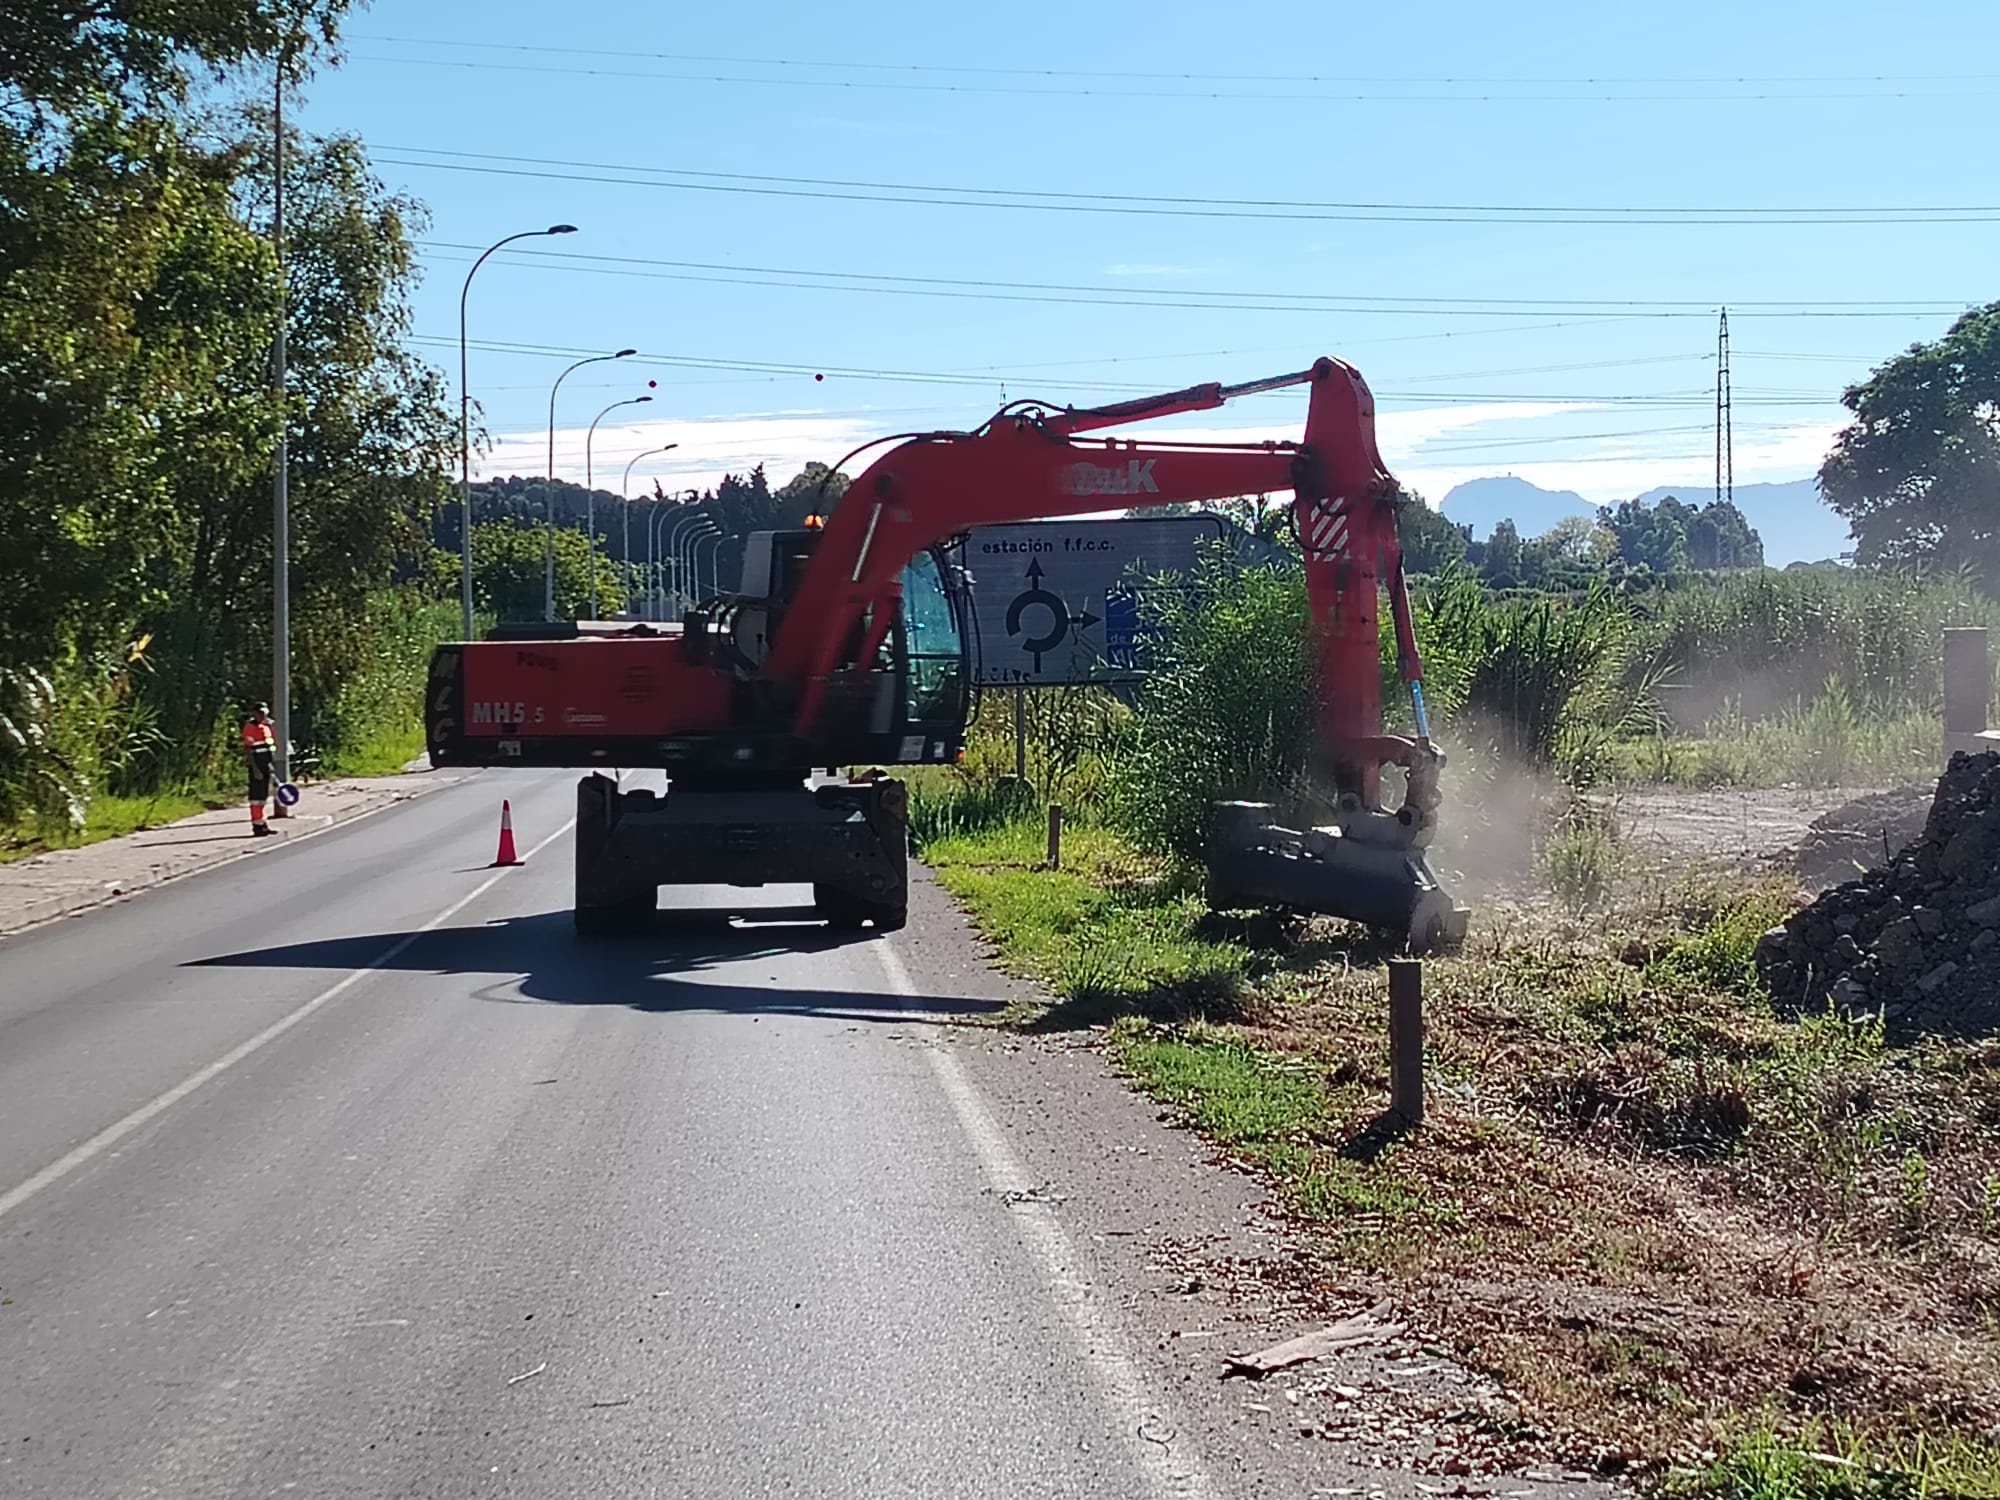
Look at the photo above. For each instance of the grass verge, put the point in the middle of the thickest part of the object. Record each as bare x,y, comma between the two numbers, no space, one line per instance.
111,817
1754,1257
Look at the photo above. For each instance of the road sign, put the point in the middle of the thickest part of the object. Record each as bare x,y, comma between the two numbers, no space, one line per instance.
1053,602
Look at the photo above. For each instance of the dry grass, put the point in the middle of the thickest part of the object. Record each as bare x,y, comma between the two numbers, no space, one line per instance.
1651,1207
1671,1222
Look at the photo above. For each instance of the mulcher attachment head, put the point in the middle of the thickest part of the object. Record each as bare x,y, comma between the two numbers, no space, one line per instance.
1368,865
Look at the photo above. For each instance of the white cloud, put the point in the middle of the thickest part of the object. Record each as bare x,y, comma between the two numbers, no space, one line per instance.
1602,470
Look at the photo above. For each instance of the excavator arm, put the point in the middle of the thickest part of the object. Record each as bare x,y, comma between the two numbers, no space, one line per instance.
1035,465
1367,862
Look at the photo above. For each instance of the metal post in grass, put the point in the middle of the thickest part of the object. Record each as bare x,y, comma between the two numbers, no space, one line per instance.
1406,1040
1055,835
1968,682
1020,734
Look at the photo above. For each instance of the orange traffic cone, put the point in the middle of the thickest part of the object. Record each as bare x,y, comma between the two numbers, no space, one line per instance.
506,856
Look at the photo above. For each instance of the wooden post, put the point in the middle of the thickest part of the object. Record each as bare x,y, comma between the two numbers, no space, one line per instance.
1967,684
1406,1039
1055,835
1020,734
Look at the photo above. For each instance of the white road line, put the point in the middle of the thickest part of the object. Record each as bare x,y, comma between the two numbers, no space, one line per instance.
1166,1458
112,1134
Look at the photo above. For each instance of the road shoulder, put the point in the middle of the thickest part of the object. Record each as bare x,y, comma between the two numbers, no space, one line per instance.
61,882
1200,1264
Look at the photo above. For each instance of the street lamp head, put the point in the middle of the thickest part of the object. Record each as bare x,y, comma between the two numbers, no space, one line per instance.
623,353
560,229
641,400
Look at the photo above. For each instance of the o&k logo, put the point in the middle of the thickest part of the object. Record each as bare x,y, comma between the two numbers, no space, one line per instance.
1136,478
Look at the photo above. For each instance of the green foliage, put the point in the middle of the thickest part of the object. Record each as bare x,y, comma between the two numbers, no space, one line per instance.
510,574
65,732
1228,709
1580,859
374,721
1500,562
952,804
1880,635
138,297
1431,542
1105,933
58,55
1831,1460
1917,473
1716,954
1825,741
1552,677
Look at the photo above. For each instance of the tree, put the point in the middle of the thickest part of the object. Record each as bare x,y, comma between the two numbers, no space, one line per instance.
1500,562
1652,537
61,56
1430,541
138,299
509,573
1721,537
815,490
1917,473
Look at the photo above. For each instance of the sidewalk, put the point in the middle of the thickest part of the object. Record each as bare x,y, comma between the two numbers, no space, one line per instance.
62,881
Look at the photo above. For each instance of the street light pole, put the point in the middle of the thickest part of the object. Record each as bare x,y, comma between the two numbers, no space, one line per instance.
714,562
590,490
549,489
703,527
673,513
670,544
281,520
624,489
465,414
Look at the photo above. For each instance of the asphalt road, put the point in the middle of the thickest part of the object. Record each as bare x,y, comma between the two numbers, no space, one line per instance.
347,1171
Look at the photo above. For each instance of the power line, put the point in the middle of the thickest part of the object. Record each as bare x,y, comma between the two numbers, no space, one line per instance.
1095,73
1165,201
1662,400
1243,96
1493,307
1495,444
1049,202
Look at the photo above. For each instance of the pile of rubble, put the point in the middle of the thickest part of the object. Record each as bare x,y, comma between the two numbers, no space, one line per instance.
1862,835
1916,941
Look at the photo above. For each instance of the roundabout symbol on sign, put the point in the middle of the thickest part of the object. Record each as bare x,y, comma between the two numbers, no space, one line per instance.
1060,620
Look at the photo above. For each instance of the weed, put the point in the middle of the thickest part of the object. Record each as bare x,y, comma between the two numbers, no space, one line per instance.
1720,953
1916,1191
1580,860
1830,1460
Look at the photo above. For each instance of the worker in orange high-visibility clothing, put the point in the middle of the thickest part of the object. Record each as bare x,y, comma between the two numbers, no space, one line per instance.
260,753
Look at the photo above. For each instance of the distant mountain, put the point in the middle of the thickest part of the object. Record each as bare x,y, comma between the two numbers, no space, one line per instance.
1484,503
1795,523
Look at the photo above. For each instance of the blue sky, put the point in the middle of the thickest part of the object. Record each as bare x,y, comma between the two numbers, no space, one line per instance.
1500,337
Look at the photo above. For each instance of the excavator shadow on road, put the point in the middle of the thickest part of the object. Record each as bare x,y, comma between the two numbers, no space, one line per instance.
534,960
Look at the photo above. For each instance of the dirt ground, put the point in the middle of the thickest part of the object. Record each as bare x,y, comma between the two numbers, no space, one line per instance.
1682,825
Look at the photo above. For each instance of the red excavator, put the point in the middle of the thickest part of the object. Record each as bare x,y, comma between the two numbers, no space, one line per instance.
844,645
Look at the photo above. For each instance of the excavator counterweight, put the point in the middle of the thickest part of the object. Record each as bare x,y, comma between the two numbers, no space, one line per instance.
844,644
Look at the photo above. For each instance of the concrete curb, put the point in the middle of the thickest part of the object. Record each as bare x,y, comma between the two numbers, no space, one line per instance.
37,914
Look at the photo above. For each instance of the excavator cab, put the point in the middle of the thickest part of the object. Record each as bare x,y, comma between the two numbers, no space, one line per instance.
907,704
